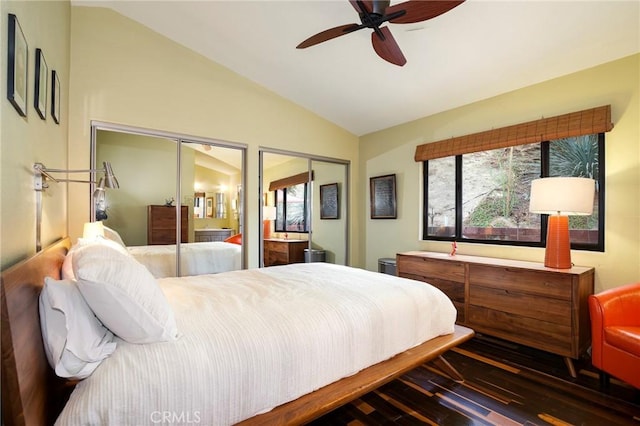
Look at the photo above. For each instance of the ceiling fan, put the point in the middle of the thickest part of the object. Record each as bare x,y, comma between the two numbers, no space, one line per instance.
374,13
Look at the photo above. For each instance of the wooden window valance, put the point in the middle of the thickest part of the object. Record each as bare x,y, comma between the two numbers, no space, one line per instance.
290,181
589,121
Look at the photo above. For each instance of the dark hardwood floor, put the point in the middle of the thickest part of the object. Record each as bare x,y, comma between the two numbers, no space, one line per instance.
505,384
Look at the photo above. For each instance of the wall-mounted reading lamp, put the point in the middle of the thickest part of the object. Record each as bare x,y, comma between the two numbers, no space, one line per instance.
42,174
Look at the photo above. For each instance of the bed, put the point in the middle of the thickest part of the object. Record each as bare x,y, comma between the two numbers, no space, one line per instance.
195,258
31,394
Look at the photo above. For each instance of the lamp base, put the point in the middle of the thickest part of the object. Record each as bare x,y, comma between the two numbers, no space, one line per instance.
266,229
558,252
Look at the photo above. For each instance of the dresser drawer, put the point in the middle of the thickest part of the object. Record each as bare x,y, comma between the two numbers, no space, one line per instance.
208,235
281,252
276,247
551,310
278,258
549,336
431,269
163,236
547,284
446,275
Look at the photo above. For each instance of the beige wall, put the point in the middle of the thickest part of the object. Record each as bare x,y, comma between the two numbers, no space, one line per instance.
124,73
146,170
616,83
26,140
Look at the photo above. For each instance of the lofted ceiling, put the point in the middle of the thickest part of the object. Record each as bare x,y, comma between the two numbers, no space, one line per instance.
477,50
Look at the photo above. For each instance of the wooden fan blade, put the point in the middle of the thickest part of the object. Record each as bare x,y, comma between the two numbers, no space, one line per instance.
421,10
387,49
328,35
368,4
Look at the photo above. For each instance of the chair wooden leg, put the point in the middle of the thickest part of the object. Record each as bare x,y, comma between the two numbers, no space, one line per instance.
604,381
447,368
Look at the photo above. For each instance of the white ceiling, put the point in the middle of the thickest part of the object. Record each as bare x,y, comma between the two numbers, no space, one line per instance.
475,51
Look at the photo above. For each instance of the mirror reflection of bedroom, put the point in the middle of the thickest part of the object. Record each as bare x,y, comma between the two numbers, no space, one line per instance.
143,212
304,209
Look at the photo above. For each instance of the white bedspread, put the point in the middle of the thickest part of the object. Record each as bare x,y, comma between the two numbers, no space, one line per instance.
195,258
254,339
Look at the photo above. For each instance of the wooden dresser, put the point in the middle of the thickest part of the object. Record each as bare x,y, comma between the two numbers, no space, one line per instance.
282,252
523,302
212,234
161,225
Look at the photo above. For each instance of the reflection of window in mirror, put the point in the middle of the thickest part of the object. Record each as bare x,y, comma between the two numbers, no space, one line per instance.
291,208
221,207
198,205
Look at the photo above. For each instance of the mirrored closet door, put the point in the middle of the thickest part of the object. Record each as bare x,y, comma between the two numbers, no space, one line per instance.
304,209
175,190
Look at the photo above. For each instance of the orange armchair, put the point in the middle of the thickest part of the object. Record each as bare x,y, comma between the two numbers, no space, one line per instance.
615,333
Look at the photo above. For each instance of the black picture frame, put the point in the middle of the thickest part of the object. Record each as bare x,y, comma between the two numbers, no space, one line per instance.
330,201
55,96
41,80
383,197
17,66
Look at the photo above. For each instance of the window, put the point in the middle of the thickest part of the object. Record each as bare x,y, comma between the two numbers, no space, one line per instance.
484,196
291,208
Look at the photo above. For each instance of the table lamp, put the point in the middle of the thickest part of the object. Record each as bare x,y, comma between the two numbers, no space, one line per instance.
560,197
268,214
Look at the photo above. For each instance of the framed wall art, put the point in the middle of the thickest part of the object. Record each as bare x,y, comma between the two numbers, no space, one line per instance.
329,201
383,197
17,66
40,92
55,96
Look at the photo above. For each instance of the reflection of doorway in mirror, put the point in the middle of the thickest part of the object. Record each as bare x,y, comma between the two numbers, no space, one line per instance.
209,207
198,205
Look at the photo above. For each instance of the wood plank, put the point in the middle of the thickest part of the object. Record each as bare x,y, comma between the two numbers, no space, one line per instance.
522,280
498,389
538,309
543,335
313,405
448,270
28,396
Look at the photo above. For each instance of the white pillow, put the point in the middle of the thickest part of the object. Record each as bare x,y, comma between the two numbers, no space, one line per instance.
67,264
113,235
124,295
74,340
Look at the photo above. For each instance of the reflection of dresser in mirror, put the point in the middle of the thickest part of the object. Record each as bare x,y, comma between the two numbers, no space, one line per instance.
161,224
283,252
204,235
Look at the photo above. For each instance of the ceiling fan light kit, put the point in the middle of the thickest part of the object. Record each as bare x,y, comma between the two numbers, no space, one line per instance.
374,13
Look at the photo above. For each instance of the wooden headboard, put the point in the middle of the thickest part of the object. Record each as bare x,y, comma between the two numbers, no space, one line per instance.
31,393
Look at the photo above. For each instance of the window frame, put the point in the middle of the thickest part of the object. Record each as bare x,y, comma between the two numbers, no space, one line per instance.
283,211
544,172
